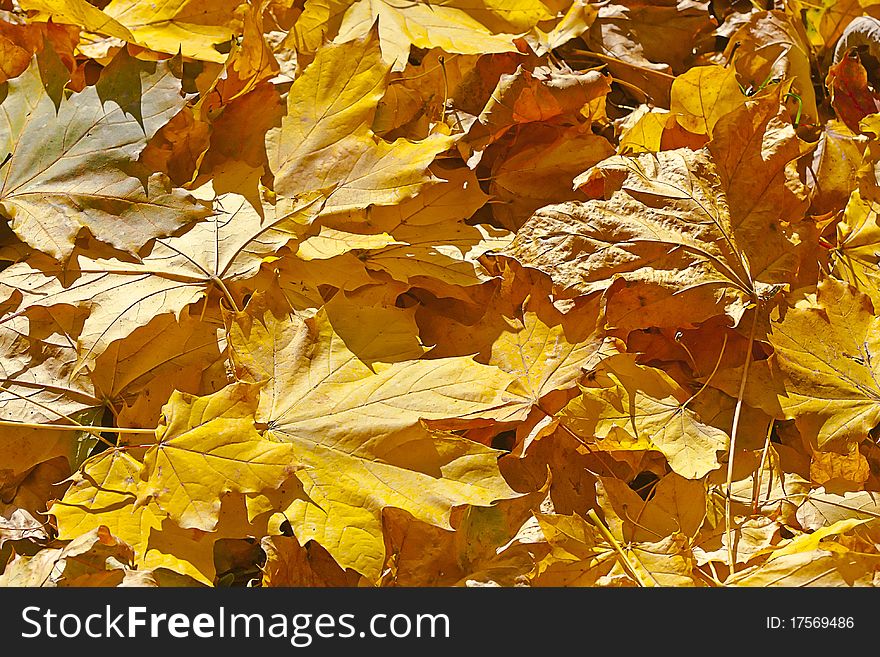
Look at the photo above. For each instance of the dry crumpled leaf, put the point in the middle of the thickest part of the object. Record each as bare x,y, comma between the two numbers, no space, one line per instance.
851,96
771,46
19,42
491,546
578,554
290,564
675,506
411,255
539,168
826,20
96,558
702,251
540,96
647,41
751,539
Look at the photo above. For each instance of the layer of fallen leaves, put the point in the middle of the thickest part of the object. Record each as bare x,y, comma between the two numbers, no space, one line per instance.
362,293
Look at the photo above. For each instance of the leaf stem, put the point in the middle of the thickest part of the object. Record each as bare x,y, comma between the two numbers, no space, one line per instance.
226,293
728,525
625,562
756,490
77,426
72,427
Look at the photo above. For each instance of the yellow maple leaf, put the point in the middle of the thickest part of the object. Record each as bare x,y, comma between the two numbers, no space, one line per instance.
455,26
192,27
643,409
358,431
177,271
826,354
325,141
858,237
547,353
208,446
80,12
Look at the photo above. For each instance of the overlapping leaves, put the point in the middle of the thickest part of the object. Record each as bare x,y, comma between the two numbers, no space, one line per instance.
463,293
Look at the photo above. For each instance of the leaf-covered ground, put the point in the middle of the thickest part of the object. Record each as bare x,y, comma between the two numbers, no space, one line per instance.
368,293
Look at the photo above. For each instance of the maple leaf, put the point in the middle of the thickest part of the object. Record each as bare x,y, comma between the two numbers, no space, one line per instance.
643,410
104,493
192,27
80,12
49,387
122,296
696,254
547,354
72,168
578,556
213,434
820,508
358,432
456,26
858,235
460,293
325,141
826,355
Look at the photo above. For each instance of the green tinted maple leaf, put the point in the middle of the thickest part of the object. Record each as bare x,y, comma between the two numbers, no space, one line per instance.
73,167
